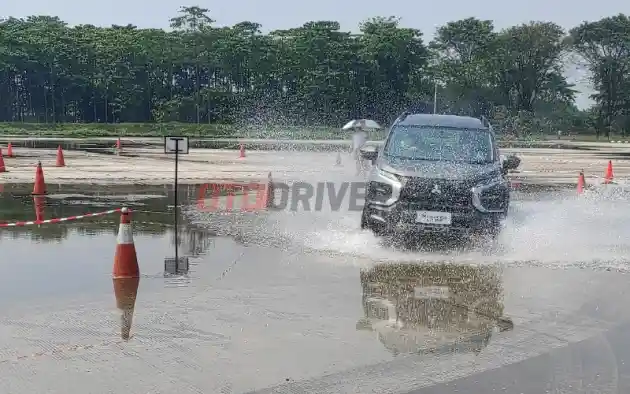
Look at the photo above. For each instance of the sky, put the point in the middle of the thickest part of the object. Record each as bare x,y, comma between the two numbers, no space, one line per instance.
282,14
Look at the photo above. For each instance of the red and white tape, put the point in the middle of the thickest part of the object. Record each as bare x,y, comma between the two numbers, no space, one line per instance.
60,220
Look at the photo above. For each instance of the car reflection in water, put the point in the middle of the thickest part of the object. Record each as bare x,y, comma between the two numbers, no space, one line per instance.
429,309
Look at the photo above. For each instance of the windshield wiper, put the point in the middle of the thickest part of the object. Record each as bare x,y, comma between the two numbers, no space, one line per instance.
416,158
438,159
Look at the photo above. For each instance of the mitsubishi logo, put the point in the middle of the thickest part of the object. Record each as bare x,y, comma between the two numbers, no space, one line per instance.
436,190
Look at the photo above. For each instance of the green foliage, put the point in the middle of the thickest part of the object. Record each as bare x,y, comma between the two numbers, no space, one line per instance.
214,130
605,47
204,80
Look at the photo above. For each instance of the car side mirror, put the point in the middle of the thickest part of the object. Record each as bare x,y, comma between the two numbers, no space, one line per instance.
511,163
369,154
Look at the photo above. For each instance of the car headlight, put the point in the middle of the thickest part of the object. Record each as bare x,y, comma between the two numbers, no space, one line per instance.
379,192
488,183
488,195
401,180
384,187
387,175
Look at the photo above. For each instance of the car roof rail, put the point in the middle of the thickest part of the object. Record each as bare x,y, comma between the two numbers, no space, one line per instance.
402,116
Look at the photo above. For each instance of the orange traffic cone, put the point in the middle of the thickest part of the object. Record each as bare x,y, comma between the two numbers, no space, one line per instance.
125,259
39,188
39,202
60,161
126,292
118,147
242,151
9,150
581,183
608,178
2,167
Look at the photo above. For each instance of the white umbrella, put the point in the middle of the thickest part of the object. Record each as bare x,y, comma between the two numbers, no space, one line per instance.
363,124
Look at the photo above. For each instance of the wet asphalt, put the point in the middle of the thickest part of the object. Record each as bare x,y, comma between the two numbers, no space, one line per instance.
304,302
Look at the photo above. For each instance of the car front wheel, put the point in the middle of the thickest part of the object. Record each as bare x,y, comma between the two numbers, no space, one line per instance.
491,228
495,227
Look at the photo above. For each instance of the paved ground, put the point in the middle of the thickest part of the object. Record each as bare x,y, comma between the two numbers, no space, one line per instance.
152,166
291,320
294,319
304,302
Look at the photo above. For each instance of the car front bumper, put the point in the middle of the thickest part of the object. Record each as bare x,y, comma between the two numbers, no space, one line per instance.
401,218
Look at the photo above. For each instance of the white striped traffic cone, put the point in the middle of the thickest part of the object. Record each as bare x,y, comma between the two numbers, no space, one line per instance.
125,260
126,291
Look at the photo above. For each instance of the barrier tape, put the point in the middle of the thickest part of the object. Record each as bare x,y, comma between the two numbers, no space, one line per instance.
59,220
134,222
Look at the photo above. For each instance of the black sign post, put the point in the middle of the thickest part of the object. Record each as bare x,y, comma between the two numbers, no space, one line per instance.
176,145
175,203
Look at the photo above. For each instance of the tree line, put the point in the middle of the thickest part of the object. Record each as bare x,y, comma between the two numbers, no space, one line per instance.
315,74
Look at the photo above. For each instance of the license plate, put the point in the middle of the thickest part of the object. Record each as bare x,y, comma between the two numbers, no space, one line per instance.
431,292
429,217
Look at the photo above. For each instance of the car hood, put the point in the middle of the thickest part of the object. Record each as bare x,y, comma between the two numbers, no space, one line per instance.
440,169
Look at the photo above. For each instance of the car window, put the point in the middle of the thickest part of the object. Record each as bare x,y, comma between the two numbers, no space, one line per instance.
440,144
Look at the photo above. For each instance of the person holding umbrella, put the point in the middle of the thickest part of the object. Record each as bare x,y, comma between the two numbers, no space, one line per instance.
359,130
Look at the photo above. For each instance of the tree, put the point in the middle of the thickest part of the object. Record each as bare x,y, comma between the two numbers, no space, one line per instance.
315,74
605,46
463,53
529,64
518,70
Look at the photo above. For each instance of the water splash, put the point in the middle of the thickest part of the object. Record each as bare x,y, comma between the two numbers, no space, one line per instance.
556,229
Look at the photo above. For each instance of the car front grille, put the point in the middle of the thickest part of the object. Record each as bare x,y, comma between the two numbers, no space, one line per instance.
452,196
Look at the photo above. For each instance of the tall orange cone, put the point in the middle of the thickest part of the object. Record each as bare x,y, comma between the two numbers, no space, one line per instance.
60,161
39,202
39,188
126,292
608,178
2,167
9,150
125,259
118,147
581,183
242,151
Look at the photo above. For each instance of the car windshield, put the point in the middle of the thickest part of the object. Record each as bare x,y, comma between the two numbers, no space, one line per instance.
440,144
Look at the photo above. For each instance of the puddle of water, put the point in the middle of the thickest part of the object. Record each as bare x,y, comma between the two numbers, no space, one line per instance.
432,309
75,257
614,155
271,297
